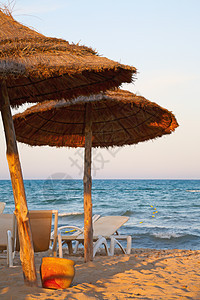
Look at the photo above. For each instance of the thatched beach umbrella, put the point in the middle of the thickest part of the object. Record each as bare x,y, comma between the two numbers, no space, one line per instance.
54,69
113,118
34,68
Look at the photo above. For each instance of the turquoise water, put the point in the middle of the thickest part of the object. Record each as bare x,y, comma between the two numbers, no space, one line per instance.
174,205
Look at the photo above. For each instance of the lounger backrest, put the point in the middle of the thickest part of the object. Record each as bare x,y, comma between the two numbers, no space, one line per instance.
6,223
40,222
107,226
2,206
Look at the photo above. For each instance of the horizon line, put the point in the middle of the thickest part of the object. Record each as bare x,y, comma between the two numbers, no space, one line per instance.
1,179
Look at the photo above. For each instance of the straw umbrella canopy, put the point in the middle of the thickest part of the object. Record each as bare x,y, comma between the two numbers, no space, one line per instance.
35,68
54,69
112,118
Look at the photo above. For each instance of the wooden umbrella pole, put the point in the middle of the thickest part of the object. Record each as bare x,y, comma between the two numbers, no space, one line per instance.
88,230
21,210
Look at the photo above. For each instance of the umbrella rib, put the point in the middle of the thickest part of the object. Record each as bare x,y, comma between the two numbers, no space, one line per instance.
121,118
37,129
98,122
80,123
122,143
35,86
55,132
108,132
60,91
111,111
58,122
44,130
151,115
119,143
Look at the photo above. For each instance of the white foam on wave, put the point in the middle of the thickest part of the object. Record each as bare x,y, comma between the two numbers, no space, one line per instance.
166,235
193,191
70,214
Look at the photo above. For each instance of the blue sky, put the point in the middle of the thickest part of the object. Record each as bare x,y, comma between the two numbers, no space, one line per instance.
160,39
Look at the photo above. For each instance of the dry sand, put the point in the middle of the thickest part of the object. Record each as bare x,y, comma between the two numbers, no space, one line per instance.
145,274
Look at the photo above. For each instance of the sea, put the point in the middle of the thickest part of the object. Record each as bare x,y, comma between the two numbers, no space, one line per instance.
163,214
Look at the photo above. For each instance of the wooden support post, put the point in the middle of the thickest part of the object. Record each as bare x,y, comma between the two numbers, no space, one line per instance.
88,230
21,210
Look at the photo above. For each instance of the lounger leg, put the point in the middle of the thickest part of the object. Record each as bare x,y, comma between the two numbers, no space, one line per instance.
112,245
129,242
60,246
9,249
98,243
76,247
114,241
69,244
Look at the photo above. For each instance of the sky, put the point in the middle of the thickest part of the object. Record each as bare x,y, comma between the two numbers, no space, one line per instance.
160,39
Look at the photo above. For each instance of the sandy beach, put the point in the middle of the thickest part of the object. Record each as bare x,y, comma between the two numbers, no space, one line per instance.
145,274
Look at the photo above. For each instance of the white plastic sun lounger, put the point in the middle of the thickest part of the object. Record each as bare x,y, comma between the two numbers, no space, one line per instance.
108,227
72,237
104,230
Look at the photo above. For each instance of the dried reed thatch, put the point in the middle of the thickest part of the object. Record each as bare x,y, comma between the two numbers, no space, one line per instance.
51,68
118,118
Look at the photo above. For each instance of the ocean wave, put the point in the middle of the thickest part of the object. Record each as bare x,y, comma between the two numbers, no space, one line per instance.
164,235
70,214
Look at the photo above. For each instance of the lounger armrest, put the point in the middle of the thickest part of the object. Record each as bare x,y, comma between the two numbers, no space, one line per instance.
61,228
121,237
95,218
73,228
